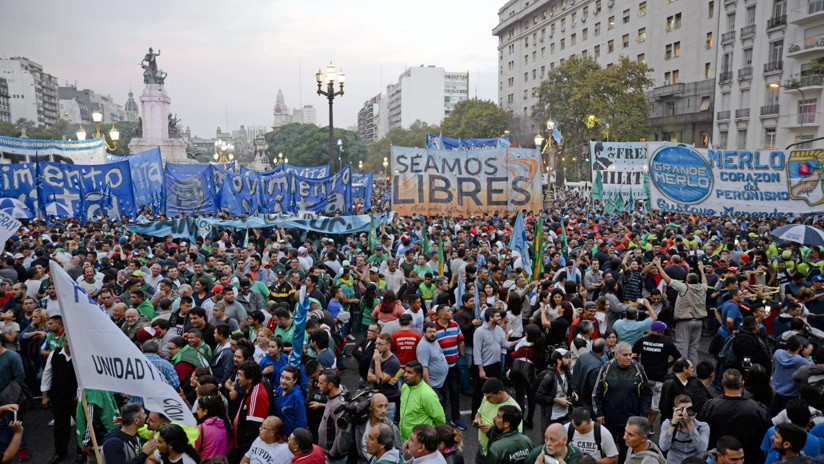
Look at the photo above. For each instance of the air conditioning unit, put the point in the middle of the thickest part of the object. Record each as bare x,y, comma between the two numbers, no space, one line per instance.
563,29
541,40
597,10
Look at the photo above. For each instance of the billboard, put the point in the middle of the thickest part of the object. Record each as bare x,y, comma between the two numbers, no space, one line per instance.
621,165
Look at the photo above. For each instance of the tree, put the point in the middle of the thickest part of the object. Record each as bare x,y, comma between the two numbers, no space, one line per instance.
580,91
308,145
9,130
280,139
415,136
476,119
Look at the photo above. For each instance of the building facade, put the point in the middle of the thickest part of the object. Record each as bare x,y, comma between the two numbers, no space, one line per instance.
675,38
425,93
131,112
770,65
32,92
282,115
5,108
77,106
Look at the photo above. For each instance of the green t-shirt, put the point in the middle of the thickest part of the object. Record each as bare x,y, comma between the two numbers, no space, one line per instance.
488,411
146,309
286,335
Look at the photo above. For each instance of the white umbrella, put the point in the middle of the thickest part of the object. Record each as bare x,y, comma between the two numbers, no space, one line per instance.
16,208
57,209
799,233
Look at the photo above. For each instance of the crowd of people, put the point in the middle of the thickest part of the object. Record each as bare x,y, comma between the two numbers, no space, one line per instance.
706,329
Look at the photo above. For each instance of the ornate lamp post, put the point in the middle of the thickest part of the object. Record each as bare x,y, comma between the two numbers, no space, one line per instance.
329,78
114,134
223,152
280,159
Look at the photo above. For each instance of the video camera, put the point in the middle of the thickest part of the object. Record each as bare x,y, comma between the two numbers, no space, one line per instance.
355,408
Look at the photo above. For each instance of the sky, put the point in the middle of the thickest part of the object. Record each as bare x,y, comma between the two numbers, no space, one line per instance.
232,56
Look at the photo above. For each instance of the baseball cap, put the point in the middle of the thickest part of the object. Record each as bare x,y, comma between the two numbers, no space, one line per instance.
560,353
658,326
374,269
137,273
19,256
217,289
818,278
145,334
302,249
281,273
346,263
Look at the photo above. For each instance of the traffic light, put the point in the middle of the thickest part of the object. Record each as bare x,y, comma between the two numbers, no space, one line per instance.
387,178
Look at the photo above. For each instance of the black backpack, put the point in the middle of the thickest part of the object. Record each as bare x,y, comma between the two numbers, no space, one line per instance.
596,432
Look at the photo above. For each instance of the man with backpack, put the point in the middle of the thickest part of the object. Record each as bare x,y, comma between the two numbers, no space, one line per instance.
555,393
747,348
591,437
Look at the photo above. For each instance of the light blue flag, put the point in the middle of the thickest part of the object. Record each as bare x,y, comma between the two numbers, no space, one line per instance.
518,242
459,292
300,327
227,199
556,135
478,302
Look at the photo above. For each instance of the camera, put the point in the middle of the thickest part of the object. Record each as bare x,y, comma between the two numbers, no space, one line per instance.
355,408
690,411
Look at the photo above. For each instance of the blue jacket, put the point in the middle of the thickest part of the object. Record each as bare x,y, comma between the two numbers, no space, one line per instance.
274,377
291,409
222,364
785,364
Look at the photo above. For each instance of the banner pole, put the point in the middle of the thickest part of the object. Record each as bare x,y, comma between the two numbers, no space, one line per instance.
90,425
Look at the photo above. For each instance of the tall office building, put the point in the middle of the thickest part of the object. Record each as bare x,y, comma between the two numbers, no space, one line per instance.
32,92
771,57
674,37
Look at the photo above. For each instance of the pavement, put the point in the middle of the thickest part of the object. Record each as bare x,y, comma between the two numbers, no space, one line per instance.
39,436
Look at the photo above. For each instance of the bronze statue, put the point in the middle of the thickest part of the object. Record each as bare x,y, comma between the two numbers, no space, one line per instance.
151,75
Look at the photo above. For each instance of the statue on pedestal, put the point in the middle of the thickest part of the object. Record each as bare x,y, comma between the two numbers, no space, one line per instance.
151,75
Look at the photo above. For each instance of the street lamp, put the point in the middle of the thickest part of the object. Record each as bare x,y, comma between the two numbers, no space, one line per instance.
801,117
81,134
385,165
280,159
360,165
114,134
330,77
223,152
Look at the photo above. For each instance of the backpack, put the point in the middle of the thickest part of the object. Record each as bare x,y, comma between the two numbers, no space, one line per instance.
596,432
726,355
340,343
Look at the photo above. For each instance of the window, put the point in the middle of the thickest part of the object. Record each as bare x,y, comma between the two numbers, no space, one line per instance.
597,29
526,76
668,51
676,49
572,39
726,62
806,111
543,52
534,73
707,70
667,76
563,24
742,139
673,22
731,21
611,22
563,43
625,40
584,54
626,16
642,34
776,51
642,9
779,8
709,40
744,97
670,108
722,137
597,51
675,77
748,57
751,15
526,59
584,34
552,48
710,9
769,137
705,103
574,19
526,41
641,58
610,46
534,55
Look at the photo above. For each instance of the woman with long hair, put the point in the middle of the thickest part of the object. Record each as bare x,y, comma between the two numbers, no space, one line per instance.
388,309
611,337
367,303
450,443
601,308
201,291
556,315
30,340
173,446
490,293
215,428
514,303
528,353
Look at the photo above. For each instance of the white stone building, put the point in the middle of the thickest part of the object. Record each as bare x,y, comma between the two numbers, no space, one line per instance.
32,92
769,86
282,116
676,38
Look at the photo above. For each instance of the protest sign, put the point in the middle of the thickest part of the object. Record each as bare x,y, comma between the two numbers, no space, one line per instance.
147,175
105,359
621,165
14,150
189,190
328,196
746,184
8,227
432,182
87,191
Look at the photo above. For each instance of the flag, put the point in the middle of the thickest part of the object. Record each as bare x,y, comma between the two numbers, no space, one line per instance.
538,249
556,135
564,238
8,227
300,326
373,236
246,240
440,256
645,192
609,206
461,289
227,201
598,187
38,182
425,248
619,202
478,314
105,359
518,242
709,143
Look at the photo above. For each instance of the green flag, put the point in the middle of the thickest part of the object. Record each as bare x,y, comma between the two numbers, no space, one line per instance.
645,191
609,206
564,238
425,247
619,202
598,187
373,237
246,240
440,256
538,250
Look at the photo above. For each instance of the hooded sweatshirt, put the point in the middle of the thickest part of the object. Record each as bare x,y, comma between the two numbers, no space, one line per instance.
786,364
213,439
651,455
392,456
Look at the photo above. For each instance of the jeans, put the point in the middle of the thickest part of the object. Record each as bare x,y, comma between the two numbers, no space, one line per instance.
464,363
449,392
688,338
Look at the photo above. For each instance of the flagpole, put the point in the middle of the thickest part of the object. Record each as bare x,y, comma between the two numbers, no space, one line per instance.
90,425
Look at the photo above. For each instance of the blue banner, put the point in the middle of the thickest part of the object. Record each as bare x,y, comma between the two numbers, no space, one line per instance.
244,187
17,181
362,188
83,191
440,142
190,189
311,172
276,194
177,228
147,175
329,196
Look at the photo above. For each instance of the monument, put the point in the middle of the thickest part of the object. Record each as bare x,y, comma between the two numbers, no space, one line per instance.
157,127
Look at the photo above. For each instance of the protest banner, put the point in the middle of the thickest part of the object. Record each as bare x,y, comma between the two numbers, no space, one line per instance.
362,188
744,184
245,188
310,172
328,196
17,181
8,227
147,175
439,142
621,166
105,359
15,150
189,190
276,193
87,191
432,182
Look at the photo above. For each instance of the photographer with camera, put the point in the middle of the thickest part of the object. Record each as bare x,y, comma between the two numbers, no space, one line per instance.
329,385
352,439
683,435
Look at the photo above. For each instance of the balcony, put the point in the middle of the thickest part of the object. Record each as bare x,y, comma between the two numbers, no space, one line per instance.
808,46
748,31
725,76
769,110
673,90
777,21
745,73
723,115
728,37
813,80
774,67
813,12
742,113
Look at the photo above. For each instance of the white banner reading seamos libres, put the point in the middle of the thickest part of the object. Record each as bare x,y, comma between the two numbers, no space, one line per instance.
758,183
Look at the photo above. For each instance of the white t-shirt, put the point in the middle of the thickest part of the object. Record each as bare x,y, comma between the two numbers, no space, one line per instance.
588,446
262,453
184,458
417,319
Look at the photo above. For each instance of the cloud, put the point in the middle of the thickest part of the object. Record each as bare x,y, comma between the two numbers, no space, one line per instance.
238,54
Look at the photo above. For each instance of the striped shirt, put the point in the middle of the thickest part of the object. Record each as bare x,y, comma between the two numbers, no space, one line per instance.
448,338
